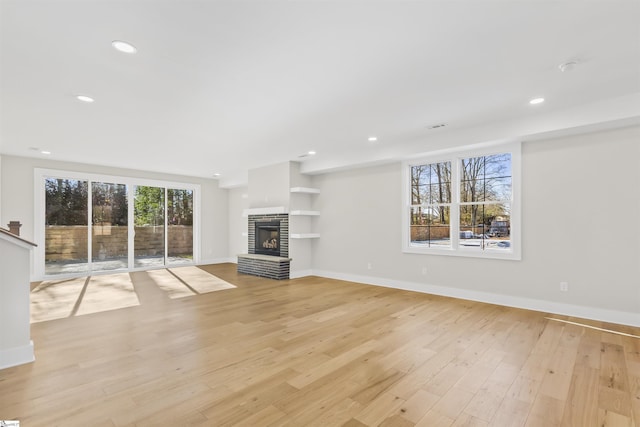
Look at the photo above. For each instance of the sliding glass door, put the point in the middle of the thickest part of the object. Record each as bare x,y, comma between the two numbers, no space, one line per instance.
149,215
97,223
109,226
153,233
66,229
180,226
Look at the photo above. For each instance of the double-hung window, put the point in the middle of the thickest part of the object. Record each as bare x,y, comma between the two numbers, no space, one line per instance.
466,203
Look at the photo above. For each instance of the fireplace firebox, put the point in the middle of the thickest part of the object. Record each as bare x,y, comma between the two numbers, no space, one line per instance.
267,238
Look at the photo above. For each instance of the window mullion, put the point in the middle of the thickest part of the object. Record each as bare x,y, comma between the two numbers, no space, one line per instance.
455,203
90,226
166,227
131,228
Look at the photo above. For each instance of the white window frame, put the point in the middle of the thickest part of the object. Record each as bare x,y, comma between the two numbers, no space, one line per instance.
39,216
455,156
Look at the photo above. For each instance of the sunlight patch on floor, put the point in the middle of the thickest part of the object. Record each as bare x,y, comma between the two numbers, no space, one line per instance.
57,299
106,292
199,280
169,284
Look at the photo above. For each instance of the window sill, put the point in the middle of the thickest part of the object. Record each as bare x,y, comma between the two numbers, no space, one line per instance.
512,255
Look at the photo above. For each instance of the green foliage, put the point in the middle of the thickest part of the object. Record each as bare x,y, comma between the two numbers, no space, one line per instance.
67,204
148,206
66,201
109,203
180,207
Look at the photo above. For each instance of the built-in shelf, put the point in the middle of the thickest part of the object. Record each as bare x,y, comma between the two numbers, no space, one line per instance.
304,235
306,190
304,213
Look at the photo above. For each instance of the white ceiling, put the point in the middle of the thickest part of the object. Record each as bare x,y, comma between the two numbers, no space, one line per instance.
227,86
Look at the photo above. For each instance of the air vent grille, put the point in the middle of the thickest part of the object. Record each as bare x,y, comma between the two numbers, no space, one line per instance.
436,126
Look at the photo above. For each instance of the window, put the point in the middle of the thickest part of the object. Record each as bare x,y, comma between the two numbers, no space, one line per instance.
431,205
109,236
464,204
91,223
66,222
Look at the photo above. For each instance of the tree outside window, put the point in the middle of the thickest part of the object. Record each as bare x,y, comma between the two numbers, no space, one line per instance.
485,195
431,204
463,205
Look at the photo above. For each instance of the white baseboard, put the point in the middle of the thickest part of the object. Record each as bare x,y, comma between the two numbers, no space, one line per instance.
218,261
593,313
17,356
300,273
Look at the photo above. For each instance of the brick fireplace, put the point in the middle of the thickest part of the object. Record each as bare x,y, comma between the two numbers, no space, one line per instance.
268,246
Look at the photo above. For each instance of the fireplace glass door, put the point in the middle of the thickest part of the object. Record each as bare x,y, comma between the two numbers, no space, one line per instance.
267,238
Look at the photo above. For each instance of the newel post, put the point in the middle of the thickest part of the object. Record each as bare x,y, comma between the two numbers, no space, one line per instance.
14,227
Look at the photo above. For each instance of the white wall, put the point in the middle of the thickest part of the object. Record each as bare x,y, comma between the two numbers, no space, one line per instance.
17,175
269,186
580,207
296,178
238,240
1,218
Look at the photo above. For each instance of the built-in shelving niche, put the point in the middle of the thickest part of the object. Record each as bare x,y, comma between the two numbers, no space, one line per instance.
304,212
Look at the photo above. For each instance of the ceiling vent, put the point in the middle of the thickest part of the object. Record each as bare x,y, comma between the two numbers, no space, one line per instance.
436,126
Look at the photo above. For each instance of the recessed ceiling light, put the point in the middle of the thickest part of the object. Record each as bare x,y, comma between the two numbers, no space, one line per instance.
373,139
307,154
216,175
45,152
535,101
123,46
84,98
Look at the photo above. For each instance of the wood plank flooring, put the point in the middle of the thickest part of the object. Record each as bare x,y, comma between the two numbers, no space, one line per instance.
320,352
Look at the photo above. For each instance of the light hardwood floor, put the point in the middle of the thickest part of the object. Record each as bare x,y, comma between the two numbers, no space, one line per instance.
320,352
